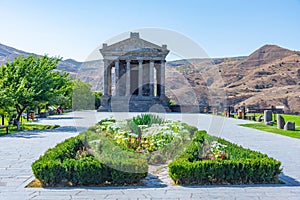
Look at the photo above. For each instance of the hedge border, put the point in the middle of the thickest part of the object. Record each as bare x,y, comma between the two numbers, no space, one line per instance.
244,167
59,165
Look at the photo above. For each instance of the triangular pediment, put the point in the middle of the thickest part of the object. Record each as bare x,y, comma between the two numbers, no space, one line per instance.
133,44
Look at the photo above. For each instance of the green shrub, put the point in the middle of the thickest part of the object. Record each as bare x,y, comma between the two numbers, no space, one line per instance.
49,172
191,129
135,128
121,177
244,166
157,159
247,171
66,149
104,121
85,171
147,119
62,164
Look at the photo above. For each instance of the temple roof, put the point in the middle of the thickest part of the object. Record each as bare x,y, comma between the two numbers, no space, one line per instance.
133,45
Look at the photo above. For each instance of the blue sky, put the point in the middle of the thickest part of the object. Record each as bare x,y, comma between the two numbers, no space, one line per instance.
74,28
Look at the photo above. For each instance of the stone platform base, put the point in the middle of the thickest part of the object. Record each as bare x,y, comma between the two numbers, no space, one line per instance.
136,104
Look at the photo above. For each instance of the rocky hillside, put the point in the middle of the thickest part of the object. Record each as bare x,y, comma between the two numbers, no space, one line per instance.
269,76
8,54
86,71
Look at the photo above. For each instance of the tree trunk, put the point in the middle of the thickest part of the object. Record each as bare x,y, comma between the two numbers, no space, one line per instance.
19,114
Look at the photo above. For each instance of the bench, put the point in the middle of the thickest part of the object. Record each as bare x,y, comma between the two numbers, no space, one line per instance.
6,127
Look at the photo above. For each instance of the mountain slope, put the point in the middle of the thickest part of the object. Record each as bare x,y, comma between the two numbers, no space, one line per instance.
9,53
269,76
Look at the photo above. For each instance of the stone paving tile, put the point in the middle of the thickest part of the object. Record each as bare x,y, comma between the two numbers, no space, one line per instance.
21,149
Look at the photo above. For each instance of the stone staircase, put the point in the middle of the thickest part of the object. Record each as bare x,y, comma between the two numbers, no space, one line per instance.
138,104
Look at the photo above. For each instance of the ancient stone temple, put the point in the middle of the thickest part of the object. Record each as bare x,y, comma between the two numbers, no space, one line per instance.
134,76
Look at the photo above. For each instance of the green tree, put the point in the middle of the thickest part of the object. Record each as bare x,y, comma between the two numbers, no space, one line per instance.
83,98
98,96
64,99
28,81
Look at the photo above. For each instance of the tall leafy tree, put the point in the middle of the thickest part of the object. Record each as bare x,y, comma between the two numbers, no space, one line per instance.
28,81
83,98
98,96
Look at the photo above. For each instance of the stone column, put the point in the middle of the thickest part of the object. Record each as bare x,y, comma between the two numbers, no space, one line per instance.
105,86
116,77
128,78
109,80
162,78
158,93
151,78
140,77
105,107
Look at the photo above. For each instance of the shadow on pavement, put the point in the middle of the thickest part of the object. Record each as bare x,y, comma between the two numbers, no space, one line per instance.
39,133
24,134
288,180
59,118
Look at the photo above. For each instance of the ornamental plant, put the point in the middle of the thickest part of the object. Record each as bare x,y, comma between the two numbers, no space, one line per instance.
210,160
213,151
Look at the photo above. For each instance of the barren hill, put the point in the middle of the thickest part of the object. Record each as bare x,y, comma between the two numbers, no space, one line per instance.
9,53
269,76
90,71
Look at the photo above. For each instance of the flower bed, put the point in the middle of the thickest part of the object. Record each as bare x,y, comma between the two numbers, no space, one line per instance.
118,152
210,160
112,152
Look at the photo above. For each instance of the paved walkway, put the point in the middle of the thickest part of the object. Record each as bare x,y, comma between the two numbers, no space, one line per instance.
18,151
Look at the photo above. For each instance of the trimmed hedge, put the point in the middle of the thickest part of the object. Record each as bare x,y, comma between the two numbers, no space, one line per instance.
244,166
60,164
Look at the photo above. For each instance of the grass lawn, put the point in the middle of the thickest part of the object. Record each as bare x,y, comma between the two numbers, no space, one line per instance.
293,118
27,127
273,129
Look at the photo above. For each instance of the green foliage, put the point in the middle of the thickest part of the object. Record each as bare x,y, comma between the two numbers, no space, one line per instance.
190,129
123,177
244,166
104,124
83,98
70,161
135,128
26,127
244,171
293,118
143,119
85,171
147,119
104,121
274,129
113,155
49,172
168,137
28,81
98,96
157,159
171,103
